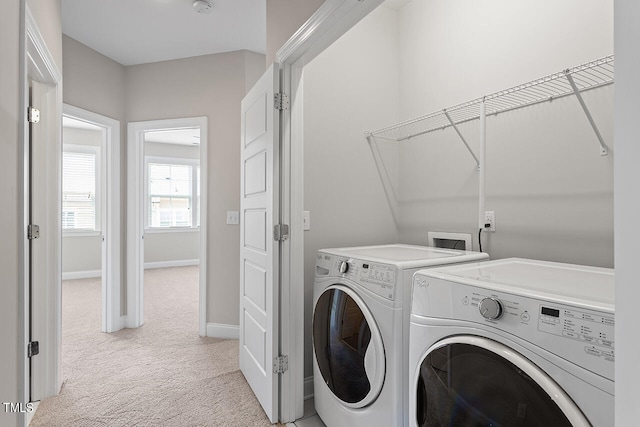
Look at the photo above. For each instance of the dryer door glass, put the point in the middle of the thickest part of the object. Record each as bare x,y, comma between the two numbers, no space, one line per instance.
341,336
464,385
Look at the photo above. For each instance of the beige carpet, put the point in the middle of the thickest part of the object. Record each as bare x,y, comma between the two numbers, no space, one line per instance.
162,374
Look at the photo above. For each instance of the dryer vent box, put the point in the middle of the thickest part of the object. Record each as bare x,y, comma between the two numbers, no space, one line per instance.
445,240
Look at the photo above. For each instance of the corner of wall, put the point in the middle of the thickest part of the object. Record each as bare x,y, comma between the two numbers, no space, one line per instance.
254,68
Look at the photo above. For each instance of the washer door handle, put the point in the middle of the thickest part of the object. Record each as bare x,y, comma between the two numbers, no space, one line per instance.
371,362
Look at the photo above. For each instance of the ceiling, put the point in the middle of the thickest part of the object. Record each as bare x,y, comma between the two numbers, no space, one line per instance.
141,31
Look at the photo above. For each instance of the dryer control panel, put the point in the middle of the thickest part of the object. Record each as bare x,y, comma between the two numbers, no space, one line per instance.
377,277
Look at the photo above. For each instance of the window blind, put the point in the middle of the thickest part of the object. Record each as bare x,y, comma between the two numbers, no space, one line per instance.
78,191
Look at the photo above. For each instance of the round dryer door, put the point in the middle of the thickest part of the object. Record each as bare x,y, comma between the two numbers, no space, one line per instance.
348,347
469,381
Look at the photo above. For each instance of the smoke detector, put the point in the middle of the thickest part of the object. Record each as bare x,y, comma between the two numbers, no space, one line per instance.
202,6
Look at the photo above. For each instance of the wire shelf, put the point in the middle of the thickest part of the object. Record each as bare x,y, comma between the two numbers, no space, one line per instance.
572,81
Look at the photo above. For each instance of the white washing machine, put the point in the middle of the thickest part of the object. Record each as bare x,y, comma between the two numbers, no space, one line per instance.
512,342
360,330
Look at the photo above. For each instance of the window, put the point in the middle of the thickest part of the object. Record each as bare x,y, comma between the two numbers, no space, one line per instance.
80,201
173,193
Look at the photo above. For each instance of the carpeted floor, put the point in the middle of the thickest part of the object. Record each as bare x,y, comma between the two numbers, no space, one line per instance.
162,374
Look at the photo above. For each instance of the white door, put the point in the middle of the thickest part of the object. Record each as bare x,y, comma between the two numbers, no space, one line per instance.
259,213
44,244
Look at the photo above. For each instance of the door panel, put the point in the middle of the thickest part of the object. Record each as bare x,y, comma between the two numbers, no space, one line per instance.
259,251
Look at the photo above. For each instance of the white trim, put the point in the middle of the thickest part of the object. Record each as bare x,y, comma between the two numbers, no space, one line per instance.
308,388
81,233
136,217
220,330
109,213
161,230
36,63
167,264
332,19
88,274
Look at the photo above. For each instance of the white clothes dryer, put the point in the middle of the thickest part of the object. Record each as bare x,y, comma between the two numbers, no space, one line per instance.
360,330
512,342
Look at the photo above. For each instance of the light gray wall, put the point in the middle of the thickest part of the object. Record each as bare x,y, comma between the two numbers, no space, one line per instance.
81,253
349,88
627,207
78,136
11,213
97,84
211,86
284,17
171,150
551,190
171,245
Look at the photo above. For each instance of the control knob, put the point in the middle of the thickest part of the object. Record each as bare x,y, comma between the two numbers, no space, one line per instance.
490,308
343,267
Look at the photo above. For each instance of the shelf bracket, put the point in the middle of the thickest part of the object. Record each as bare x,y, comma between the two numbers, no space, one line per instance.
392,199
446,113
604,150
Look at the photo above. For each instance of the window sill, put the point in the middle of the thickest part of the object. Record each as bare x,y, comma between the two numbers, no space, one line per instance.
171,230
81,233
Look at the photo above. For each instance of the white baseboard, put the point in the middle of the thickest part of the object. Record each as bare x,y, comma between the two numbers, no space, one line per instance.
219,330
71,275
308,387
165,264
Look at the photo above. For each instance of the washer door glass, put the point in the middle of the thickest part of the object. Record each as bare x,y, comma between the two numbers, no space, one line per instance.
465,384
348,347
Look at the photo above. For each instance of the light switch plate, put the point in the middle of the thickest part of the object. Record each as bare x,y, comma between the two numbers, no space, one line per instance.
306,220
233,217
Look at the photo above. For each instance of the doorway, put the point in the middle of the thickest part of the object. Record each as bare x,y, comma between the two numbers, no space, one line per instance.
91,206
167,174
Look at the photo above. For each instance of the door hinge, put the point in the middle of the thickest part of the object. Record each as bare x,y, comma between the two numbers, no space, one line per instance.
280,232
280,364
33,115
281,101
33,348
33,231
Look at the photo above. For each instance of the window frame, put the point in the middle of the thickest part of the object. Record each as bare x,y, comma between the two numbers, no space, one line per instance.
195,205
96,151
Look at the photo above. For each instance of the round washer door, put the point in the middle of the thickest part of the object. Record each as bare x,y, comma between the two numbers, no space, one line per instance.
468,381
348,347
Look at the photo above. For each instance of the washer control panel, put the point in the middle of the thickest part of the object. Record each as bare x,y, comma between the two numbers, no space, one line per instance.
594,330
582,335
376,277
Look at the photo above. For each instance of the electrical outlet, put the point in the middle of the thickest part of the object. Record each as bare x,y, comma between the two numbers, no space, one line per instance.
489,221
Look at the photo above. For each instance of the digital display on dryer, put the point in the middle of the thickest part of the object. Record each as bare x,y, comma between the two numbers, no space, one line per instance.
550,312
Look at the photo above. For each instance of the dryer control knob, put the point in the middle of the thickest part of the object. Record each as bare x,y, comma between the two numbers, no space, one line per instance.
490,308
343,267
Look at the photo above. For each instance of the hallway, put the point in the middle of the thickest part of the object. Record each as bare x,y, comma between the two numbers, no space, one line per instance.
160,374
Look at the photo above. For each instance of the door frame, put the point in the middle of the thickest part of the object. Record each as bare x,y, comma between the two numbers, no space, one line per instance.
110,213
135,215
332,19
37,63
